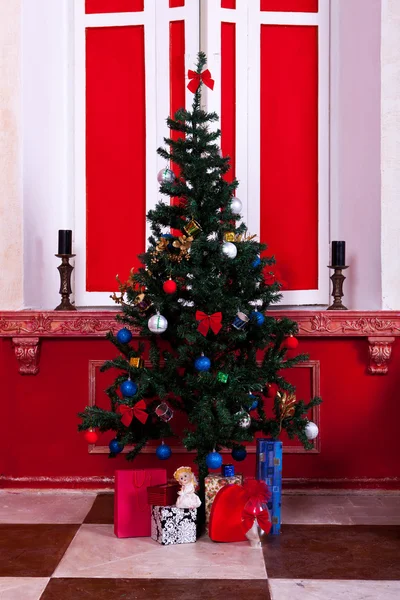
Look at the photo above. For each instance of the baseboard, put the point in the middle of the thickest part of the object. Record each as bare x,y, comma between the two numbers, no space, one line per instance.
53,482
290,485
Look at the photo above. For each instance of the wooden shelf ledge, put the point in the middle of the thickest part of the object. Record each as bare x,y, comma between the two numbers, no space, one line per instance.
28,328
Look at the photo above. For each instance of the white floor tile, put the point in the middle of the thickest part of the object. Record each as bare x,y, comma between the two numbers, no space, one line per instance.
22,588
316,589
37,507
96,552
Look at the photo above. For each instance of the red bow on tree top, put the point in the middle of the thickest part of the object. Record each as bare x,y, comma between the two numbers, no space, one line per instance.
206,321
197,78
128,412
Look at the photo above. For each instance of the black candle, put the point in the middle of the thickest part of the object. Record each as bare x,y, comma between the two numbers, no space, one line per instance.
338,254
64,241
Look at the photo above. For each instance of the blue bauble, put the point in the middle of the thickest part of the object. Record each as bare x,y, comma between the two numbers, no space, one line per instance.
239,454
170,238
256,262
163,452
255,402
202,364
124,336
214,460
115,446
257,318
128,388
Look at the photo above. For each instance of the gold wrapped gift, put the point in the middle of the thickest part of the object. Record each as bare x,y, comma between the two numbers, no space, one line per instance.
136,362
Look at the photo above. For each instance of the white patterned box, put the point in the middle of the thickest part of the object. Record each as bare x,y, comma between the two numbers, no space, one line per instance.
173,525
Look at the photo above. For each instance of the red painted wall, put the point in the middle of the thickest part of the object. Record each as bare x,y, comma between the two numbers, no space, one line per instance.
38,427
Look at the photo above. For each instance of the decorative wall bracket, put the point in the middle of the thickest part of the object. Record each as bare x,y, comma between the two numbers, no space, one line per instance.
27,352
380,350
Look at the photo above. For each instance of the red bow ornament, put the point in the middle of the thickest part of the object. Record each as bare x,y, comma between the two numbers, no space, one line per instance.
128,412
257,494
206,321
262,519
197,78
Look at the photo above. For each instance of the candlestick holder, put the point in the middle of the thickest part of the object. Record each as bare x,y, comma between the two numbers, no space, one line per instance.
65,270
337,292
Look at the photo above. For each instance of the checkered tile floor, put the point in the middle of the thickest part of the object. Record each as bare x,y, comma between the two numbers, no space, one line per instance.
57,546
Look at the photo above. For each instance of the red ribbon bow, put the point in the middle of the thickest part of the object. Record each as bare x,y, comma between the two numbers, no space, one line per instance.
256,490
206,321
257,493
138,411
197,78
262,519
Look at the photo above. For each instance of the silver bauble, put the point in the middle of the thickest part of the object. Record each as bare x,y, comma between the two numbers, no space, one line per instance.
229,249
157,323
311,430
245,419
236,206
185,302
166,176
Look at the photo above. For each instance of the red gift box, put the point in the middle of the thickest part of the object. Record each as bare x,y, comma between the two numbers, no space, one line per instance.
163,495
132,513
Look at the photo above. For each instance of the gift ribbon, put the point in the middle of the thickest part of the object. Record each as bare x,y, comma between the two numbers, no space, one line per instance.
206,321
197,78
128,412
262,519
256,491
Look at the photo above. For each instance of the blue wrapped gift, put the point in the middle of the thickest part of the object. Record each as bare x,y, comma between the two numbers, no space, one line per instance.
269,469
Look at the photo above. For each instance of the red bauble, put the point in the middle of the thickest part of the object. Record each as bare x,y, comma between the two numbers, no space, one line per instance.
271,390
169,286
91,436
291,342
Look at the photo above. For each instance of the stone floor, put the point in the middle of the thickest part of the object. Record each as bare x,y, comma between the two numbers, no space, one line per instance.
57,546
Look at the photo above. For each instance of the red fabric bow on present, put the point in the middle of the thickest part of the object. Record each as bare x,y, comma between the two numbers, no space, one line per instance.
262,519
128,412
197,78
257,494
206,321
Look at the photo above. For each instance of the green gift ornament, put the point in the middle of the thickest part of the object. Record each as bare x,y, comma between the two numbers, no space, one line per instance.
222,377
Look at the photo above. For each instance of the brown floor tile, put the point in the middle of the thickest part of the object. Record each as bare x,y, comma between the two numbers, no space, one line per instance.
156,589
334,552
33,550
102,511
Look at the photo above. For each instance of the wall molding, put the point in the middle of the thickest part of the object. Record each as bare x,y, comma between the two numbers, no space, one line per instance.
380,328
314,365
291,486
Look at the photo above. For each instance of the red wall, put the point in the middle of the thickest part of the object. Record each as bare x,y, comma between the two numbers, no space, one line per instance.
359,416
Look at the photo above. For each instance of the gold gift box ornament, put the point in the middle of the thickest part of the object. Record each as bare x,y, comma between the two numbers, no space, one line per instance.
137,362
229,236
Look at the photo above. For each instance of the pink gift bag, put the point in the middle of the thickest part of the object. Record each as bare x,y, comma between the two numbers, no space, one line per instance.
132,513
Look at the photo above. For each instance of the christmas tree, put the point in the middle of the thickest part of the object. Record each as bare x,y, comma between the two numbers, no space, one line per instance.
201,300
